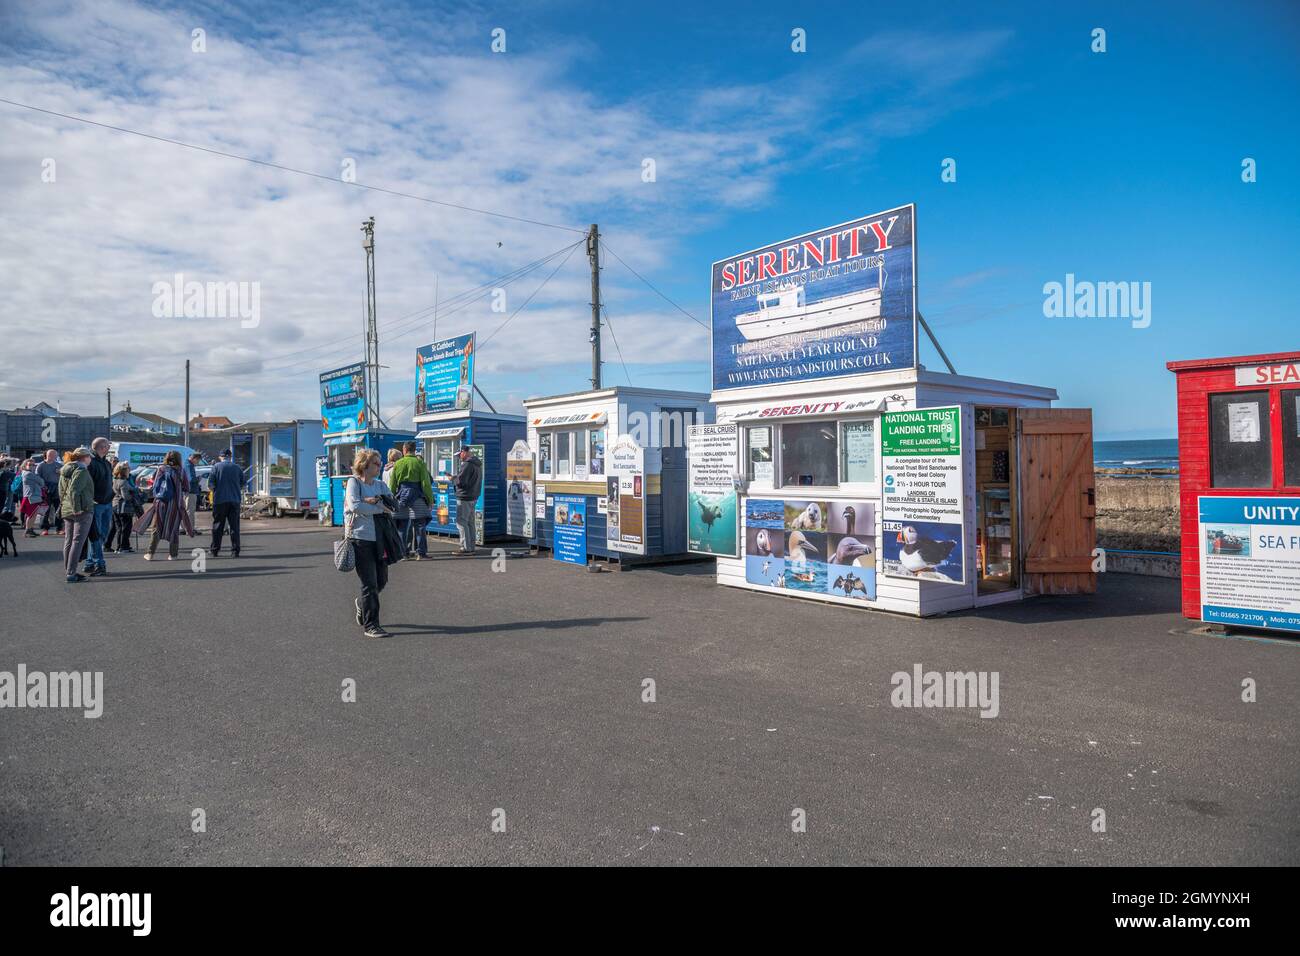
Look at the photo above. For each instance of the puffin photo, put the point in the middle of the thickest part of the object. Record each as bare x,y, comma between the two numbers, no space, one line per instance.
919,553
763,542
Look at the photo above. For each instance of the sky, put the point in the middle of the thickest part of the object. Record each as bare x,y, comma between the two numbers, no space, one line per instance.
1117,166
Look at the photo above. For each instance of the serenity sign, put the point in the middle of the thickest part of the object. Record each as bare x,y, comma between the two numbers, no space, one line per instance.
835,302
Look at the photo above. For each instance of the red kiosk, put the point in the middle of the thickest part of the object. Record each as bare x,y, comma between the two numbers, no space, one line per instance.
1239,493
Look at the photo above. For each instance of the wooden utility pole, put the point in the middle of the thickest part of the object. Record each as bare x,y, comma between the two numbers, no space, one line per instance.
593,255
110,405
187,403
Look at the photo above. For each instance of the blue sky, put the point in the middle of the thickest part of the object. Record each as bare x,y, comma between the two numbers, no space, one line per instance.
1120,166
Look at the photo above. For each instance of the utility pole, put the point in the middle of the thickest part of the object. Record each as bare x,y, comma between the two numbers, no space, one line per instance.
593,255
372,328
110,406
187,403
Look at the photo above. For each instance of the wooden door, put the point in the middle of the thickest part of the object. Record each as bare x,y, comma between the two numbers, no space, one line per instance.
1057,500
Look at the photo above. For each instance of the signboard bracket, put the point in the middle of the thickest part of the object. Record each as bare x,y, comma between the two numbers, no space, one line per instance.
935,342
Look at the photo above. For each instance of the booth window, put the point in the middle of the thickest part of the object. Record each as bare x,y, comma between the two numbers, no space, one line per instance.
1291,437
758,453
563,461
1241,452
858,452
579,451
543,453
809,454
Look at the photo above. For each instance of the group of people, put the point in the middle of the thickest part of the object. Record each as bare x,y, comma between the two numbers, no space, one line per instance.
384,507
92,499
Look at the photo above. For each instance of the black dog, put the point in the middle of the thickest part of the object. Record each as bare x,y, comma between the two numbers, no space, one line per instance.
7,539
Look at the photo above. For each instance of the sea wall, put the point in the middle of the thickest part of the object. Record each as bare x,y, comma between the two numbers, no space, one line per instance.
1138,514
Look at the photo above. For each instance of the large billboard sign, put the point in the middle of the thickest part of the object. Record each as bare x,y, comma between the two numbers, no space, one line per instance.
343,400
444,375
838,301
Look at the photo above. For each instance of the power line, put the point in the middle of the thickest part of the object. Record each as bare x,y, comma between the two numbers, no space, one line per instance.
290,169
479,346
652,288
617,347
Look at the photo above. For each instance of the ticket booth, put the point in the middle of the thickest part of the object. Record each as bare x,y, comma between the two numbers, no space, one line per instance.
341,450
1239,489
610,477
864,478
441,435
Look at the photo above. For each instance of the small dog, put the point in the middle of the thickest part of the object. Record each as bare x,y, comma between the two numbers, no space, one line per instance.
7,539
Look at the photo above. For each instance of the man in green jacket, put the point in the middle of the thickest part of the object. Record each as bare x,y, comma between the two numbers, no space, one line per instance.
77,506
413,489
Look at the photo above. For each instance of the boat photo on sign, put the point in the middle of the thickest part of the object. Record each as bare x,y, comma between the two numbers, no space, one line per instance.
834,302
343,400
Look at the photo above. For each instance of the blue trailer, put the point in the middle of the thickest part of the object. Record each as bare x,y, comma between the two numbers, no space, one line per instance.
279,462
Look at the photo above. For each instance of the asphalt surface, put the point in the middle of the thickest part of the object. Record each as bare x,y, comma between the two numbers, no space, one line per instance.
522,690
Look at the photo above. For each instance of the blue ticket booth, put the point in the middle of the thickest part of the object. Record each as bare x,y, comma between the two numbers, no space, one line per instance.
342,449
441,436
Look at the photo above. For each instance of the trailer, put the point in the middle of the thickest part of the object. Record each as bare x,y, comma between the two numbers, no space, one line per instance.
279,462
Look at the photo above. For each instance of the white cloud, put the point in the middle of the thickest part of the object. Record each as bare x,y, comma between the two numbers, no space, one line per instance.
422,108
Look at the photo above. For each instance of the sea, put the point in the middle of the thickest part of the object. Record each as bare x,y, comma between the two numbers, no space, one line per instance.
1144,454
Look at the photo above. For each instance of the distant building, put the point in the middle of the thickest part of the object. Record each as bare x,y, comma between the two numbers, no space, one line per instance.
28,431
207,423
130,420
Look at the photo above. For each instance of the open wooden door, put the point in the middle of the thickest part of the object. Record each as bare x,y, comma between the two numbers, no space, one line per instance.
1057,500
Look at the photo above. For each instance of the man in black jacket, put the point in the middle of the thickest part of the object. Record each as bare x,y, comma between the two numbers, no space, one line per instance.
101,476
468,484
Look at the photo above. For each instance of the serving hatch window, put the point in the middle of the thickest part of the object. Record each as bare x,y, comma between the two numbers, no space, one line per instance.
1241,451
809,454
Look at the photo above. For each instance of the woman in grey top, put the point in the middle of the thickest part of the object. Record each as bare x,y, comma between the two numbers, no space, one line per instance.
361,503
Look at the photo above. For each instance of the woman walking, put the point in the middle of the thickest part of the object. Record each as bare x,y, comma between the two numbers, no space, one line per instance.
33,504
127,506
368,522
167,515
77,504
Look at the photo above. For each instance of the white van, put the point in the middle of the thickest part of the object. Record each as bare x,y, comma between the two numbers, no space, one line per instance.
138,453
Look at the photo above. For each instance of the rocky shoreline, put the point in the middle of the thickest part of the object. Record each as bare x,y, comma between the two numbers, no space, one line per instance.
1137,510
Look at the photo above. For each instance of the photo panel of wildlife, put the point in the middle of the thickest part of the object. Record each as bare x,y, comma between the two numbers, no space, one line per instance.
806,515
711,525
927,550
765,553
764,513
851,549
805,561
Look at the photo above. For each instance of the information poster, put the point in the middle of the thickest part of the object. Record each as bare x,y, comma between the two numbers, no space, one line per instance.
814,548
1250,561
444,375
712,520
922,507
540,503
322,479
625,494
343,400
569,530
519,490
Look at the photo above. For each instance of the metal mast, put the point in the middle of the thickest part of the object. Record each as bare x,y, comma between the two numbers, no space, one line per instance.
372,328
593,254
